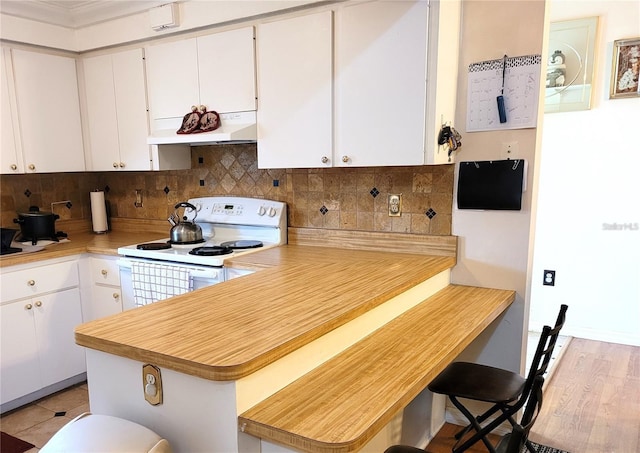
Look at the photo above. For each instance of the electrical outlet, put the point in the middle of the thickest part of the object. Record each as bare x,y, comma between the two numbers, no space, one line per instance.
395,205
138,202
152,384
549,278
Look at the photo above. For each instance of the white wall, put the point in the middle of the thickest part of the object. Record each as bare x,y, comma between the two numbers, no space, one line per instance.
494,245
590,175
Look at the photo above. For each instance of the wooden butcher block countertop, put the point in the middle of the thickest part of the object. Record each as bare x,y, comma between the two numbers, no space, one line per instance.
230,330
343,403
81,242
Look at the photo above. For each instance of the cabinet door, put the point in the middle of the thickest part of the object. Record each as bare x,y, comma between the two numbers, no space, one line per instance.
172,77
226,68
131,110
101,111
11,162
19,351
294,92
380,88
105,301
117,111
48,112
57,316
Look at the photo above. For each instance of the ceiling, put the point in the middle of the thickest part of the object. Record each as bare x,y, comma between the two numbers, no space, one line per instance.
75,13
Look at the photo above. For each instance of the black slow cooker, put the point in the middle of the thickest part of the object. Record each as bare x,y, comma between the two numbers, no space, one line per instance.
36,225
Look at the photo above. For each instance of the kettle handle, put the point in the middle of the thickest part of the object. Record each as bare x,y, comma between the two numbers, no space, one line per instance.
184,204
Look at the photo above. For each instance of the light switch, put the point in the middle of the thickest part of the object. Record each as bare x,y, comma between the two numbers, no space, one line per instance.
152,384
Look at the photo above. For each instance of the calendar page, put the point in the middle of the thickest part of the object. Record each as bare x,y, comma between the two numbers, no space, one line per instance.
521,91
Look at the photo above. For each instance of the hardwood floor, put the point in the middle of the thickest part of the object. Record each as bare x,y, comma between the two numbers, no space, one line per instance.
591,402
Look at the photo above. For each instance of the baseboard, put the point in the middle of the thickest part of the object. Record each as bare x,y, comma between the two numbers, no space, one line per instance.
556,361
38,394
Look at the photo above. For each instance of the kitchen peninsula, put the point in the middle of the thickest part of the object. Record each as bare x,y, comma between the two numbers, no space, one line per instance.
253,343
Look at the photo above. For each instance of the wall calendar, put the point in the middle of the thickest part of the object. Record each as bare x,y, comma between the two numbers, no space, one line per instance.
516,80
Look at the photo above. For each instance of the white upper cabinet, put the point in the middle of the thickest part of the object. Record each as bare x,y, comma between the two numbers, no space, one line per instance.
294,66
48,111
226,70
380,91
10,158
366,93
117,112
215,70
172,78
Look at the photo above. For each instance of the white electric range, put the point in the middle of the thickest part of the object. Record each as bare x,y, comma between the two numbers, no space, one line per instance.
231,226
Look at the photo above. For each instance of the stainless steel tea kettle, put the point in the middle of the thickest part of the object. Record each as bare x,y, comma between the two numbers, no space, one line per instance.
183,231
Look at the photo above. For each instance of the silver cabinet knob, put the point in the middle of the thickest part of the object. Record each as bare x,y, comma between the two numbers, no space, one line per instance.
104,272
122,165
32,167
28,306
31,283
38,304
345,159
115,165
324,159
116,296
14,167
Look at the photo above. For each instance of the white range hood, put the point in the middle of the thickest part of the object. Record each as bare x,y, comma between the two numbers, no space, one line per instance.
234,127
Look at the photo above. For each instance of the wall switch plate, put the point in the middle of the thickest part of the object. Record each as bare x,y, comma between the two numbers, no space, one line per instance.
152,384
395,205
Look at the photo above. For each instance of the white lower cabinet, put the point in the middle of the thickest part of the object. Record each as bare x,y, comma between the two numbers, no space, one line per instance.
106,296
19,367
37,343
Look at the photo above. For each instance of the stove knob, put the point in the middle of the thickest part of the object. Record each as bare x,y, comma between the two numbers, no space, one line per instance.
261,211
272,212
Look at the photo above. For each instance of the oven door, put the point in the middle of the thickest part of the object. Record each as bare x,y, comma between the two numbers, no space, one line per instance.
201,276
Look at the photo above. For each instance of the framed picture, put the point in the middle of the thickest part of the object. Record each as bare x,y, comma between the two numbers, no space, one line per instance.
626,69
571,65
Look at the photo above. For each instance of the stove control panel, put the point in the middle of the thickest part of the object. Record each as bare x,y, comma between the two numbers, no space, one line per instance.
240,210
227,209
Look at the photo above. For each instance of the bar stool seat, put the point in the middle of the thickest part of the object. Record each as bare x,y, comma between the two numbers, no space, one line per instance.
91,433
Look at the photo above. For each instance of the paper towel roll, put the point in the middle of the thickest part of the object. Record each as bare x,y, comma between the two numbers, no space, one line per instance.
98,212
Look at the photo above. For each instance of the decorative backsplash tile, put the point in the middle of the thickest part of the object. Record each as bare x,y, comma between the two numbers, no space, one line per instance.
333,198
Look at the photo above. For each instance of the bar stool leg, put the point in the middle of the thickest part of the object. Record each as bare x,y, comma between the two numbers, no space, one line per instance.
474,424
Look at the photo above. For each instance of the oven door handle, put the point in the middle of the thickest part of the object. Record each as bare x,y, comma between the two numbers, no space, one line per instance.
194,271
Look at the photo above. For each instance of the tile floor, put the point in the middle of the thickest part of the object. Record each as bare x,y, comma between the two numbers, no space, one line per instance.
37,422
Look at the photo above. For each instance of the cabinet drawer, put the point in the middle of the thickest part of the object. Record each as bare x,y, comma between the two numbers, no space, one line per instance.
105,271
38,280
